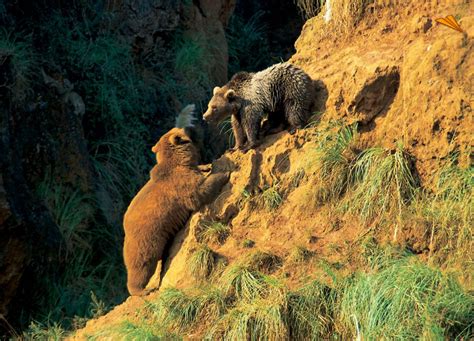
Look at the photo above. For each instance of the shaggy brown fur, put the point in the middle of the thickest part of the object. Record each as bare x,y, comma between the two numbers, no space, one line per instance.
177,187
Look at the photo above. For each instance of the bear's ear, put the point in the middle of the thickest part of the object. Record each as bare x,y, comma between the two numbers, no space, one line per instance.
229,95
216,89
177,140
154,149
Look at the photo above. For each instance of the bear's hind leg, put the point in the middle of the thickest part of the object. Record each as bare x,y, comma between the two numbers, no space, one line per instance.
296,116
140,267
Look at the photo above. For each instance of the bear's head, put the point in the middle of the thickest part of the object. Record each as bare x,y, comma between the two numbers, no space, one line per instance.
222,104
176,148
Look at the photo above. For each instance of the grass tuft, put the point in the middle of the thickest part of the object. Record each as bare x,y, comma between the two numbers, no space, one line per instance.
202,262
310,312
334,159
213,231
449,210
243,282
385,183
407,300
271,198
248,243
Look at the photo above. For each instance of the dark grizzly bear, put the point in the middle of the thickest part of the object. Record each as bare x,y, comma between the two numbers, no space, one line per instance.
283,91
176,188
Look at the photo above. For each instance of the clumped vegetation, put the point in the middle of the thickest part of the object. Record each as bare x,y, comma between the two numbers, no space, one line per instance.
334,161
402,299
271,198
300,254
406,300
448,210
213,231
202,262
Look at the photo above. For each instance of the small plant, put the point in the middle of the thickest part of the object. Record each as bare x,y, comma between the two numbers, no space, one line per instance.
449,211
271,198
257,320
311,311
334,159
245,197
263,261
385,183
297,178
243,282
214,231
202,262
247,41
248,243
20,59
177,309
48,332
300,254
71,211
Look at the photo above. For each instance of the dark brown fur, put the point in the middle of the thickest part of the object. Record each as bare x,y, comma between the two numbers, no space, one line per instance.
283,92
177,188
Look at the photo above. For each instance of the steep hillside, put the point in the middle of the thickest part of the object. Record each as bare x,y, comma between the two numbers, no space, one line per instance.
359,225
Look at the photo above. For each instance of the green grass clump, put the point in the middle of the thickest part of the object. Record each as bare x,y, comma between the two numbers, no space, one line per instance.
334,159
310,311
202,262
449,210
214,231
261,319
407,300
179,310
271,198
247,41
385,184
21,60
37,331
244,283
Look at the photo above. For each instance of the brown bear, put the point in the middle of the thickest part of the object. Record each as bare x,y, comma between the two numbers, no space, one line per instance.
283,91
176,188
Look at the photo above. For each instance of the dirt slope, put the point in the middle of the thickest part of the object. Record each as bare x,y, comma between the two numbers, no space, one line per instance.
402,77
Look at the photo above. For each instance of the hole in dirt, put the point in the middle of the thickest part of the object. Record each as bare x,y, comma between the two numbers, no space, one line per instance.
376,96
